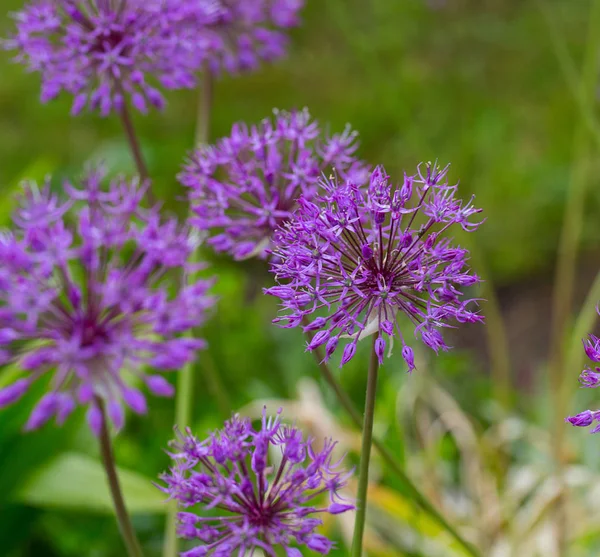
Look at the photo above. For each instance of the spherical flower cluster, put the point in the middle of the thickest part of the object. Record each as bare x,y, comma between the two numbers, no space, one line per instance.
105,51
242,33
265,483
246,185
85,302
589,378
367,255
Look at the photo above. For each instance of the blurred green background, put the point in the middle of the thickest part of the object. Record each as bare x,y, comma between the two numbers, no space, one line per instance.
474,83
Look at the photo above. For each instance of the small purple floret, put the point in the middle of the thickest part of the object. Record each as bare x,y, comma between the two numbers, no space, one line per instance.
248,184
584,419
592,348
260,503
367,255
86,299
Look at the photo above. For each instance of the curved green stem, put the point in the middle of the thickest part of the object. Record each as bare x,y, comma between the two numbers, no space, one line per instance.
136,150
215,386
584,89
390,460
108,460
134,144
365,454
204,107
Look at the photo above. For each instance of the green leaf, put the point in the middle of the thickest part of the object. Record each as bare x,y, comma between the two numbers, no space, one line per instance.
75,481
9,374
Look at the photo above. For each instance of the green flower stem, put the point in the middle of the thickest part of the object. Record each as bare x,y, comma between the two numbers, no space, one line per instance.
215,385
365,454
134,144
388,457
205,103
108,460
136,150
185,377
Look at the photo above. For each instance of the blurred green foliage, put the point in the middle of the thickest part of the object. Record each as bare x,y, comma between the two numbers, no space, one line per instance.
474,83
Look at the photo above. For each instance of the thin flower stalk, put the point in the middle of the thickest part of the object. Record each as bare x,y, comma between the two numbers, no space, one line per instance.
108,460
365,454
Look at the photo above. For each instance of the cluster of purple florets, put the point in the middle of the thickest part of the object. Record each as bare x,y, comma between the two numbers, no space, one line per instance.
244,187
85,302
109,52
589,378
357,257
242,33
269,485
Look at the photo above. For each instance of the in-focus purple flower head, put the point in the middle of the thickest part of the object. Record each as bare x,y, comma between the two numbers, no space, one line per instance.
245,186
108,52
590,378
362,257
268,485
236,35
86,302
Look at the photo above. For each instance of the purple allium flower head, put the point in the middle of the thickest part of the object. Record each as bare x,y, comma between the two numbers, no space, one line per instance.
367,255
246,185
236,35
85,301
267,485
105,51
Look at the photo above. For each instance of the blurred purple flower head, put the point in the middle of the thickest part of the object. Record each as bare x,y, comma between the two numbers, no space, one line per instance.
267,484
236,35
105,52
589,378
367,255
246,185
86,303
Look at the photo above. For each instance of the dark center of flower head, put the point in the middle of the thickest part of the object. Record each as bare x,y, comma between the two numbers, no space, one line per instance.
262,516
381,272
109,41
92,331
